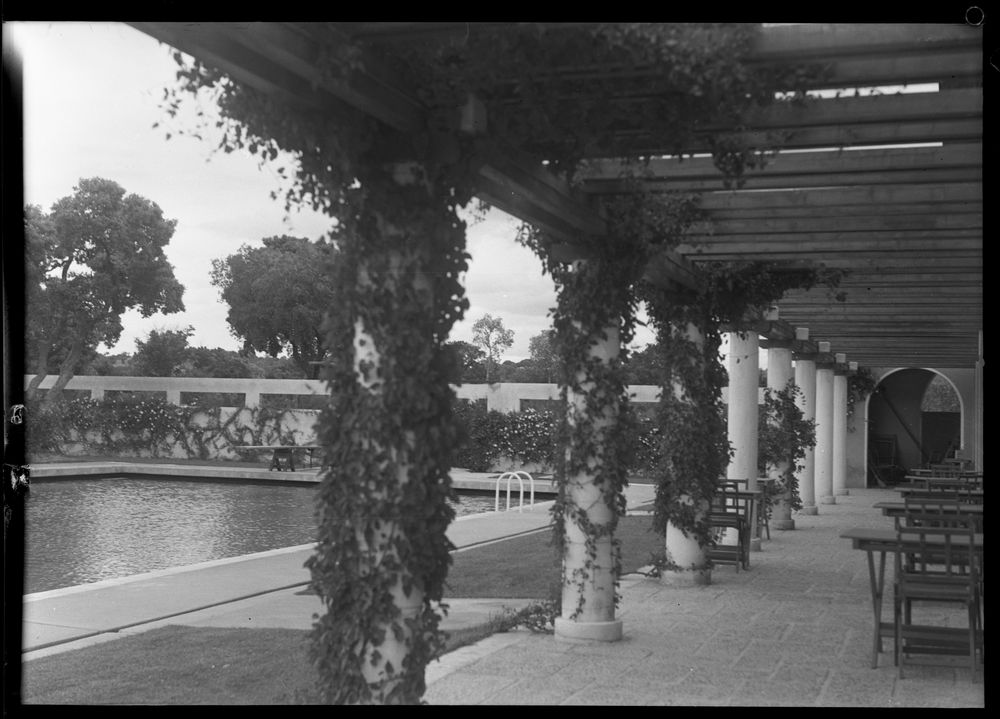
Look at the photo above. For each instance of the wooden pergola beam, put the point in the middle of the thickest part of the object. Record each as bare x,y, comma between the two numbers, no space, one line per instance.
876,195
794,167
866,224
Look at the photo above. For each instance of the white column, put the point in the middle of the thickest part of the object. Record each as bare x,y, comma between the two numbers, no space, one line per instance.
824,429
805,380
588,594
840,426
688,557
744,368
744,380
779,374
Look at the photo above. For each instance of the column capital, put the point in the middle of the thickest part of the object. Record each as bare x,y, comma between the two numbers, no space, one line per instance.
805,349
769,328
825,359
768,344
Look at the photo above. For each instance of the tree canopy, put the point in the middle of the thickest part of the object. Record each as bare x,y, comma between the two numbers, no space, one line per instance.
278,295
489,333
98,253
162,353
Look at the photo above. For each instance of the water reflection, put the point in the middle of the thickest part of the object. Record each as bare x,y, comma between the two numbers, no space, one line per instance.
86,530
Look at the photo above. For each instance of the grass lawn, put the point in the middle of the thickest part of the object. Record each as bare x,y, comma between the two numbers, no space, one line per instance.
527,566
208,665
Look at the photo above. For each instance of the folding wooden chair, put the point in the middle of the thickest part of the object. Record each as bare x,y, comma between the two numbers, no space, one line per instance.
729,511
936,565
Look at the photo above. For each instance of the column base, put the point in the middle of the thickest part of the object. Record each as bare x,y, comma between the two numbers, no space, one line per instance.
783,524
755,544
828,500
686,577
809,510
842,492
570,631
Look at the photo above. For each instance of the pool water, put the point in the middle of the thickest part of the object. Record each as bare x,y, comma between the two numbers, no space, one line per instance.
86,530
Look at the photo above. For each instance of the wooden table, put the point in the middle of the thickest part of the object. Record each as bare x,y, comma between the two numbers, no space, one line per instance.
897,509
872,540
906,490
923,479
282,453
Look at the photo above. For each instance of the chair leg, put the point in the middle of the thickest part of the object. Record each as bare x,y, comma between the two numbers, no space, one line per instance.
897,649
973,616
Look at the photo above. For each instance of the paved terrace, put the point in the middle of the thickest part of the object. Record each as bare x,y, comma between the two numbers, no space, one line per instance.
795,630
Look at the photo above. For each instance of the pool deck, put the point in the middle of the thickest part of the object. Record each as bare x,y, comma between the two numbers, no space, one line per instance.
208,592
793,630
460,478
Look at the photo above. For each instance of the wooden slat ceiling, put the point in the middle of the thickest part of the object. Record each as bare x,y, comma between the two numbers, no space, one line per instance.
905,223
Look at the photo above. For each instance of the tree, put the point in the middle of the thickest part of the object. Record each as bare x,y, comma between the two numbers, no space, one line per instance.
163,353
117,365
543,353
278,296
98,253
217,362
490,334
469,361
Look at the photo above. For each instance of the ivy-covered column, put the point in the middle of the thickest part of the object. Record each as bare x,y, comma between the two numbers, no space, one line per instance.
590,561
824,425
686,548
779,375
382,552
744,379
805,380
592,320
840,425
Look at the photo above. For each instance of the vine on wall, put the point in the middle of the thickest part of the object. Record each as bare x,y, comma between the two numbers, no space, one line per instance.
133,427
860,385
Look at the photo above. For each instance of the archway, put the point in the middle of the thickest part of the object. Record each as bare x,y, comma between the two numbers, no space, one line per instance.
914,418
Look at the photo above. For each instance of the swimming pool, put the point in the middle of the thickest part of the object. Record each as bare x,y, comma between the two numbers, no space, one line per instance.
85,530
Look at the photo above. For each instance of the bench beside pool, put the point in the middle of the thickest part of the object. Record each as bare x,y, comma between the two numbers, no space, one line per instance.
282,455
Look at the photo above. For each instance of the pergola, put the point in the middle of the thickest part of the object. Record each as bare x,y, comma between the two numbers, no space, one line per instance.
884,185
850,192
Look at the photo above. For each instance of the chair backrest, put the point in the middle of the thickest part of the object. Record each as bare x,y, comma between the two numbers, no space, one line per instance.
727,498
937,513
941,551
945,470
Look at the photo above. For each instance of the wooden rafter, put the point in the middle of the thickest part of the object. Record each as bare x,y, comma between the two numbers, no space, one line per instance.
905,223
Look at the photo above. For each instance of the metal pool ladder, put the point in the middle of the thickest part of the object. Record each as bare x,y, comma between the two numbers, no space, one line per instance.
520,477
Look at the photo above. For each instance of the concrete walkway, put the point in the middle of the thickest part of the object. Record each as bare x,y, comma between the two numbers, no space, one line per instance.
794,630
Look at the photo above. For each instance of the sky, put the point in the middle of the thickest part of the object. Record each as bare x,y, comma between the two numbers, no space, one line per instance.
91,94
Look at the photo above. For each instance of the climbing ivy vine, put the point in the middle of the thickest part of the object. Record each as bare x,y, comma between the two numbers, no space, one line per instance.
783,439
694,449
399,255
